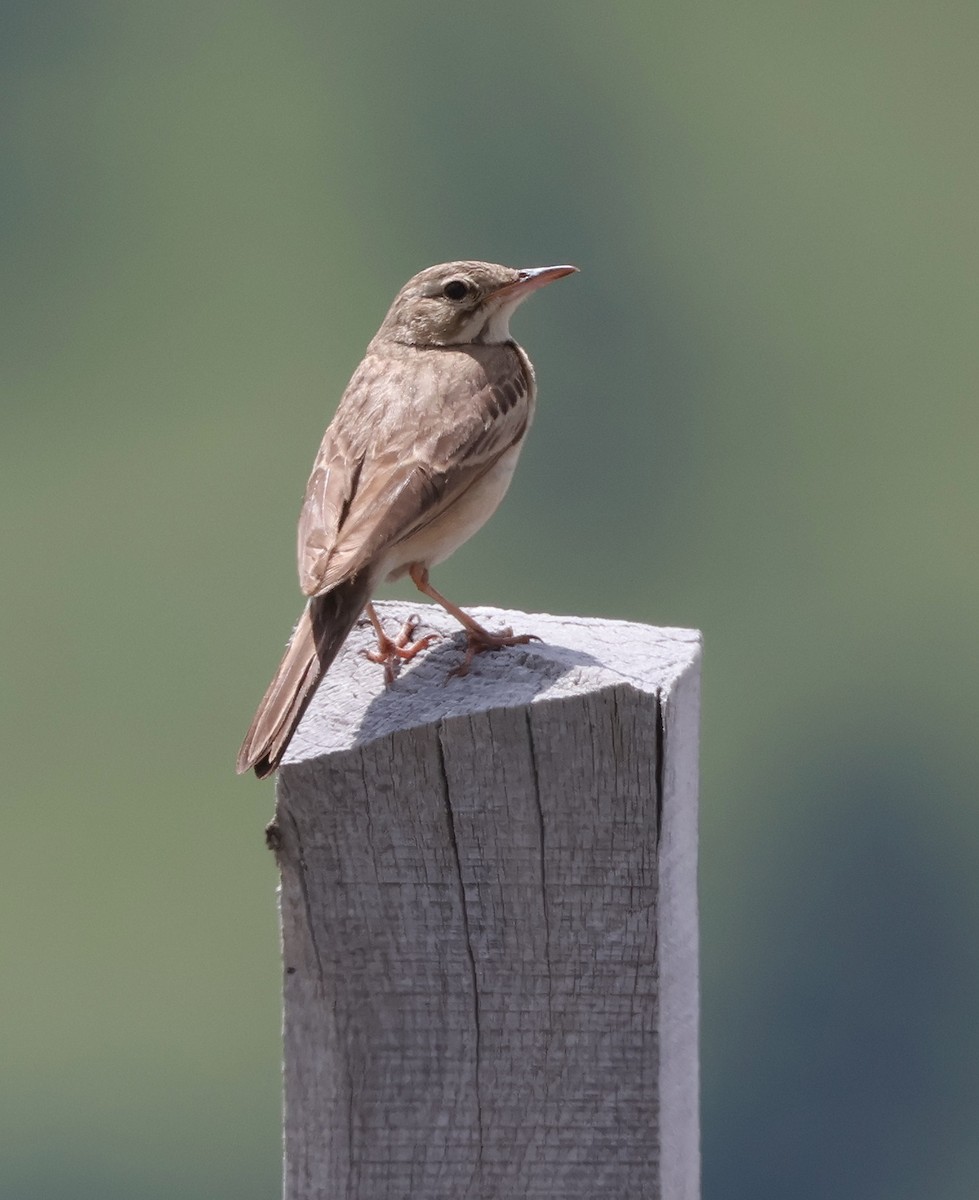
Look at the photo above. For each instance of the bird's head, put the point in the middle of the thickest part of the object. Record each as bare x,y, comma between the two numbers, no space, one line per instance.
459,303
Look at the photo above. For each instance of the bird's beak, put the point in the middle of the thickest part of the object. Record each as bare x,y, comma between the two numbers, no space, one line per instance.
531,278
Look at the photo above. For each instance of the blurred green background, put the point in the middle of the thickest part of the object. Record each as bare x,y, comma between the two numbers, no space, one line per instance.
758,416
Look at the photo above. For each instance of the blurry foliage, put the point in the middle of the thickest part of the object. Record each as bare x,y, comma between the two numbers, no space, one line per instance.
758,416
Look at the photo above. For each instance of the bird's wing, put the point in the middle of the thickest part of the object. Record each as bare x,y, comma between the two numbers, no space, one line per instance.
329,493
367,493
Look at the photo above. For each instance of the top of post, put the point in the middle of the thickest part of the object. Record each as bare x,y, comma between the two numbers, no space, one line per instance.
575,655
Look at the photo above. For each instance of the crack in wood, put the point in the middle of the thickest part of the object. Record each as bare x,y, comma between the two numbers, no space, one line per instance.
543,875
454,843
304,892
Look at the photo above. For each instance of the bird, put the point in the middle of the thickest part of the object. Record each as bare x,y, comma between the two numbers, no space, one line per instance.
417,458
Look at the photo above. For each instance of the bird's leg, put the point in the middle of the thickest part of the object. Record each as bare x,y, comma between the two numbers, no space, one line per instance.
478,639
398,649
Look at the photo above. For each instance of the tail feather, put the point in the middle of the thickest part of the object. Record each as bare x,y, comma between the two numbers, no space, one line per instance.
320,632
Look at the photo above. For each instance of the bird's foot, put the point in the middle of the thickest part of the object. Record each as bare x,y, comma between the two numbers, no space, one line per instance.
479,640
399,649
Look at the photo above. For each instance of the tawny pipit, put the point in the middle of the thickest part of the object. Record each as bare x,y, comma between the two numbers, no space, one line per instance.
417,458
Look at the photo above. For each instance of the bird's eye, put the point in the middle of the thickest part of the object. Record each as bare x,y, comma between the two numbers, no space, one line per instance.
455,289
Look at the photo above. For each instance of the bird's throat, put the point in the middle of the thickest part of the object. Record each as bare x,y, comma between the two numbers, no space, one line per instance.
495,327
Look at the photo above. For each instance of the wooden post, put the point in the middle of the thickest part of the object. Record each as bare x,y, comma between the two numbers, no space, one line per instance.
489,920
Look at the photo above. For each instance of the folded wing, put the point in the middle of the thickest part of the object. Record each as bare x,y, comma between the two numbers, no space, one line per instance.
360,502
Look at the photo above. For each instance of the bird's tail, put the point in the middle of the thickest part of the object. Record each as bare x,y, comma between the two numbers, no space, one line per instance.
315,643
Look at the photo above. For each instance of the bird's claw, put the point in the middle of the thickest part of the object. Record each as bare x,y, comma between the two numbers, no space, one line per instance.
399,649
479,643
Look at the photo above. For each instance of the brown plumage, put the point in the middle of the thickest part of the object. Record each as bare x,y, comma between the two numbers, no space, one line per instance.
417,458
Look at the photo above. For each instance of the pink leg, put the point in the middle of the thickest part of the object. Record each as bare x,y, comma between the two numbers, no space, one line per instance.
478,638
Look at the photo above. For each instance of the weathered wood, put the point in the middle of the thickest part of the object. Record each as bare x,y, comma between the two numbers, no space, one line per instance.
489,921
